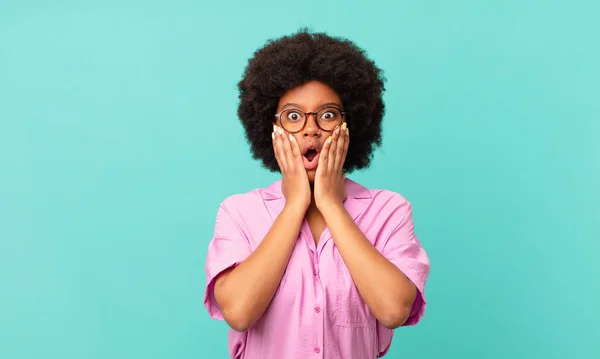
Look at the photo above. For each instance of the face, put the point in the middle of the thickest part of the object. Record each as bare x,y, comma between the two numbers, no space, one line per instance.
311,97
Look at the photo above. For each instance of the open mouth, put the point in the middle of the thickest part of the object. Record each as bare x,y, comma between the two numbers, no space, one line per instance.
311,154
311,158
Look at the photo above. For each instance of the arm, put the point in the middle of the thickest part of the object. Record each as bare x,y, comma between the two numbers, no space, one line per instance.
386,290
244,292
388,293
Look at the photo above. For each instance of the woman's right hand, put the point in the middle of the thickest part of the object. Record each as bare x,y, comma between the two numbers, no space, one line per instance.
294,183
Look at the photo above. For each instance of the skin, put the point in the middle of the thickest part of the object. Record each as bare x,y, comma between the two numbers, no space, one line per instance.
244,293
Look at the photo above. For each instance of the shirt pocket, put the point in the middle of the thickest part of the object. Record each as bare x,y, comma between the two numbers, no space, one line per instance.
351,311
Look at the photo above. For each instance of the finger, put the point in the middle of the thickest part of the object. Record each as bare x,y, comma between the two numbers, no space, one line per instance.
287,148
280,148
275,151
346,146
296,154
333,150
324,156
340,153
275,147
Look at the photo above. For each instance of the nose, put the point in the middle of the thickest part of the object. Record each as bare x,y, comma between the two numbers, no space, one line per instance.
311,128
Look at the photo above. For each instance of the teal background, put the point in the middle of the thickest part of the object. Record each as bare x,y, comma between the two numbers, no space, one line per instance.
119,138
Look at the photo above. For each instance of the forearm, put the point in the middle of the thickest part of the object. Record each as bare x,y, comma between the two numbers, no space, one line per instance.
388,293
244,292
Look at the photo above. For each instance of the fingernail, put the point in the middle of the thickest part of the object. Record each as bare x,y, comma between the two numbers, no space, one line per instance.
344,126
291,138
274,128
337,130
273,135
347,131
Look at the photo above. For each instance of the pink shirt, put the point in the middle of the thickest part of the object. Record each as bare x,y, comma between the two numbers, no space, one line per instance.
317,311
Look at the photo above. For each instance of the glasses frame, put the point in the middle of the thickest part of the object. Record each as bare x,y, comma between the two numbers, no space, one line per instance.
342,114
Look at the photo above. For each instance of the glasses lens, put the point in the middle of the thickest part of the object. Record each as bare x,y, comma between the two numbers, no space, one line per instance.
292,120
329,118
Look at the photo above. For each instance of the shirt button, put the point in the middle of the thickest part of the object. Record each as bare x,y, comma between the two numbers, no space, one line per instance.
317,310
317,350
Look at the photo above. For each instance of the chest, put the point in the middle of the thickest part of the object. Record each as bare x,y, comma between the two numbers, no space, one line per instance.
317,225
317,285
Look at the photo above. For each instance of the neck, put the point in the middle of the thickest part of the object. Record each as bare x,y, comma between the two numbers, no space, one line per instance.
313,207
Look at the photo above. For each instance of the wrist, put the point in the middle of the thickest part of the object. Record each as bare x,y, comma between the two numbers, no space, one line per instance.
330,206
297,208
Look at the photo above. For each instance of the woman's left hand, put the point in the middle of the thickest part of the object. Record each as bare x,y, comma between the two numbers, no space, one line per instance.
330,185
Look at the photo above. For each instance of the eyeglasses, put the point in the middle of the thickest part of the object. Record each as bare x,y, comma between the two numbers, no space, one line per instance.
293,120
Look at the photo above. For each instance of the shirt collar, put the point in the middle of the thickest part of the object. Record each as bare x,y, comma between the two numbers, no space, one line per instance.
353,190
357,197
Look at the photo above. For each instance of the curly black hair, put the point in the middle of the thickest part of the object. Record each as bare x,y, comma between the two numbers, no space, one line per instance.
290,61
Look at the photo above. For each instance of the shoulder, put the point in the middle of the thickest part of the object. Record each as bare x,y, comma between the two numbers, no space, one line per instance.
240,202
384,200
393,208
389,198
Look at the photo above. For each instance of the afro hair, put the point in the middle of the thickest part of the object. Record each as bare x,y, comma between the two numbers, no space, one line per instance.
285,63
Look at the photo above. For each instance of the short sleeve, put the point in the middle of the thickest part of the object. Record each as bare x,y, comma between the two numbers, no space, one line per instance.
228,248
403,249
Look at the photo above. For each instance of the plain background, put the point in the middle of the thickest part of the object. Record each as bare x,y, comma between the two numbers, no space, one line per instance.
119,138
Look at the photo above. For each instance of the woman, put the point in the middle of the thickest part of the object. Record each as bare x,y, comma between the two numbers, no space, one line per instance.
315,265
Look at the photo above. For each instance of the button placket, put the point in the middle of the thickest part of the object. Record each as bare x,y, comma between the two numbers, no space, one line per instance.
318,304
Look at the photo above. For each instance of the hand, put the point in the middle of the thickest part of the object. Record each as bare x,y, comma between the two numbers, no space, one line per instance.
294,183
330,185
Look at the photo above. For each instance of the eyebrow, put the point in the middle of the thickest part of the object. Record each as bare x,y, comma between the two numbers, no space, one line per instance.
291,104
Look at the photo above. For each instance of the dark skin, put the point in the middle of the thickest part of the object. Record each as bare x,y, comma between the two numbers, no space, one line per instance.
317,194
326,182
317,224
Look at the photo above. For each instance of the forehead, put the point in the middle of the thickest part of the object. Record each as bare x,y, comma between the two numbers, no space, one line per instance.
310,95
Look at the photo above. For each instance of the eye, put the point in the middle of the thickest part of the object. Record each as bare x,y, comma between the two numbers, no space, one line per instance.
293,116
330,115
